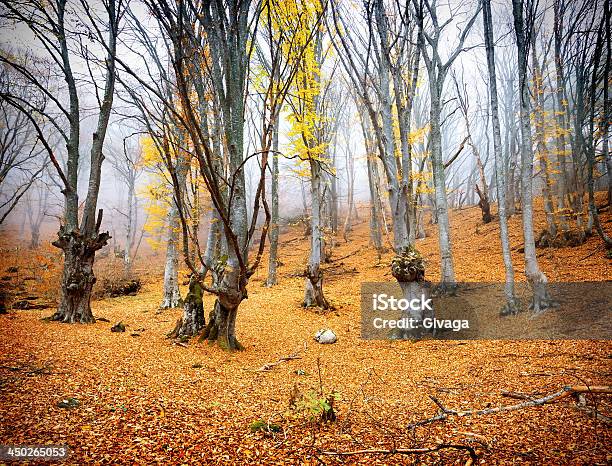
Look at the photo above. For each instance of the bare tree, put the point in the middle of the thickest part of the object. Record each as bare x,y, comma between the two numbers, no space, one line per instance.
511,303
274,220
21,156
523,28
127,163
463,100
437,69
208,46
51,25
37,201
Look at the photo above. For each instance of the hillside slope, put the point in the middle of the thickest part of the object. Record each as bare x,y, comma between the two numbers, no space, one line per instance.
145,399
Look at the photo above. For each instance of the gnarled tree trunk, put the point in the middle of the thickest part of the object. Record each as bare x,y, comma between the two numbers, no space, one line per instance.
221,327
78,277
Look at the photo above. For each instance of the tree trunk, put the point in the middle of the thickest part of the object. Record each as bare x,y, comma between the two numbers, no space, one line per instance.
561,119
589,149
447,272
414,290
313,295
78,276
172,294
127,254
221,327
511,303
397,199
484,205
606,102
375,233
540,134
35,236
371,161
350,172
192,321
333,193
273,259
536,278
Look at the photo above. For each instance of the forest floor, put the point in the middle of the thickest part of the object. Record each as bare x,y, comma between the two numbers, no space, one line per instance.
142,398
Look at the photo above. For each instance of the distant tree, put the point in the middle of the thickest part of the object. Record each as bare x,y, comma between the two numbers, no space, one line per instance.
127,163
36,209
22,160
437,70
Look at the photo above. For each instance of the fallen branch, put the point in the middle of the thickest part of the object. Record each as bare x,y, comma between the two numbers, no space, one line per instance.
592,412
563,393
290,241
406,451
29,370
269,366
516,395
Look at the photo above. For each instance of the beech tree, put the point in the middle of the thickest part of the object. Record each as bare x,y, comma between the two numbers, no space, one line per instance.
22,160
437,70
51,24
126,160
523,28
511,303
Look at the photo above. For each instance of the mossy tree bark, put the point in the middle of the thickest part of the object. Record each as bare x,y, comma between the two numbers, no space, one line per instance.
78,277
192,321
221,327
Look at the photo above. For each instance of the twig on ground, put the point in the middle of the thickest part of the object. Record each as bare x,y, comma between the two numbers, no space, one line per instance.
406,451
271,365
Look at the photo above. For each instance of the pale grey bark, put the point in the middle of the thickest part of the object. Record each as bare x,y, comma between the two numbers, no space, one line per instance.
370,74
371,164
511,303
171,297
130,227
313,294
534,275
334,218
397,198
274,221
483,192
37,202
350,175
437,71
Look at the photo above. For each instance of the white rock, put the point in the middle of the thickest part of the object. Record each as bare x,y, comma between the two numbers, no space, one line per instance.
325,336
